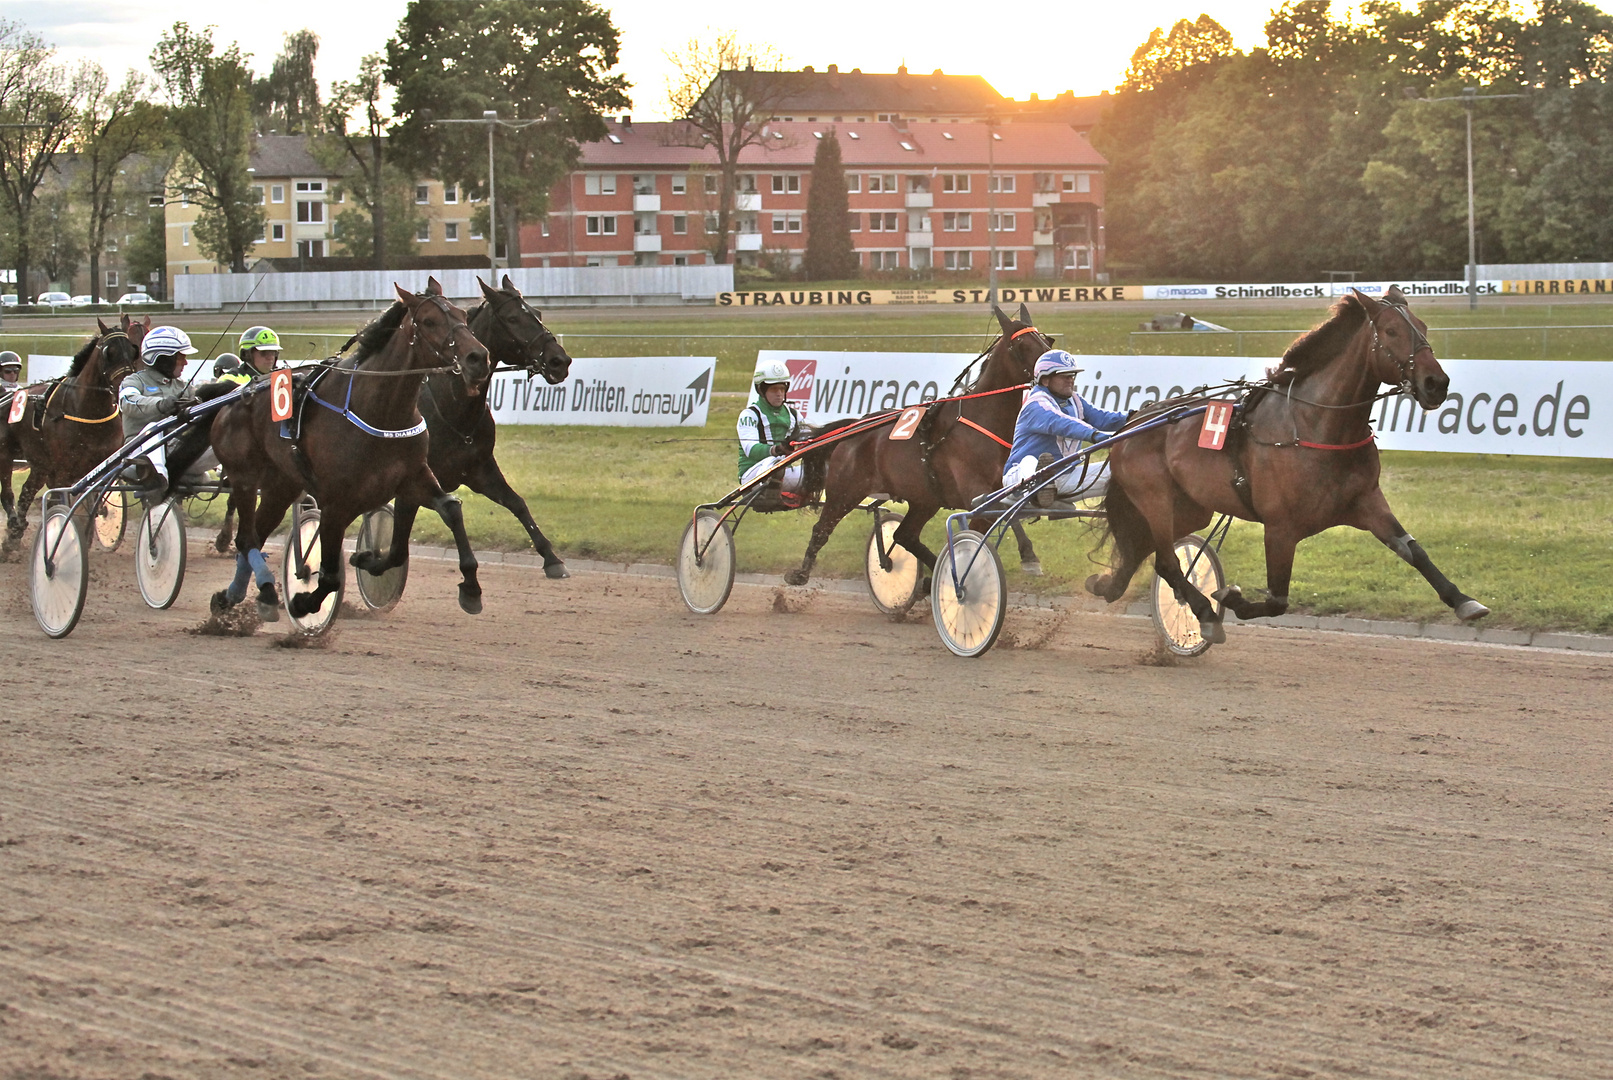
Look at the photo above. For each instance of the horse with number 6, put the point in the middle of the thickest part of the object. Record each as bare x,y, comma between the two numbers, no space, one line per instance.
355,440
1300,458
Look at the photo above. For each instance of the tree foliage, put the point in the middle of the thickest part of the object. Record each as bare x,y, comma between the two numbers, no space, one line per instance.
382,220
520,58
287,99
113,126
829,253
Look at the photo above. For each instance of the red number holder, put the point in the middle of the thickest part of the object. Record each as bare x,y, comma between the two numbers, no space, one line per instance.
280,396
1217,420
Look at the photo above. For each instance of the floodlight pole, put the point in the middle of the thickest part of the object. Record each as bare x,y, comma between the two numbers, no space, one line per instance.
991,205
490,118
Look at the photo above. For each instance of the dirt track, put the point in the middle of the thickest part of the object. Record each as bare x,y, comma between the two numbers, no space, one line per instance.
588,834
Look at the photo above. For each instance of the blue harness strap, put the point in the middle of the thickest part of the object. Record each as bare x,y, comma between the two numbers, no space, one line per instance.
369,429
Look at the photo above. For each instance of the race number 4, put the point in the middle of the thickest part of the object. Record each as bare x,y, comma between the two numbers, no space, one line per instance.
19,405
280,396
907,423
1217,418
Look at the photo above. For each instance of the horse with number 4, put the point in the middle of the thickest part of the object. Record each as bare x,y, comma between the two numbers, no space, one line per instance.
351,435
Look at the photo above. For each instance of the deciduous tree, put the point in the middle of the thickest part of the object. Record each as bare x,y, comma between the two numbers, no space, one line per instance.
287,99
113,126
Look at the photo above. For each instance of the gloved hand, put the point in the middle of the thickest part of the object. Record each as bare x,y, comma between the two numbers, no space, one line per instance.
170,407
780,449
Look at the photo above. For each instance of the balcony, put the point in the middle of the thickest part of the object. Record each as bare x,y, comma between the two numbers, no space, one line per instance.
1042,239
919,200
748,202
646,241
1044,198
646,204
920,239
749,241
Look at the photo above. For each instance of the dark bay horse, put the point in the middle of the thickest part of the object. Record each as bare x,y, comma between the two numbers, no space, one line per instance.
949,461
71,424
1306,454
361,442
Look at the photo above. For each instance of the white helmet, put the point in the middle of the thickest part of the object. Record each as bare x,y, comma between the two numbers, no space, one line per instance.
163,341
770,371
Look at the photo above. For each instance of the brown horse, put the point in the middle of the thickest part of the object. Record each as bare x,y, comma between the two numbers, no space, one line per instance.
1303,461
952,459
361,441
71,424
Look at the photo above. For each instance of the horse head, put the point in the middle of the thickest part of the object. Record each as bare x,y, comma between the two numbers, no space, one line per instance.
540,351
1400,353
1022,342
448,341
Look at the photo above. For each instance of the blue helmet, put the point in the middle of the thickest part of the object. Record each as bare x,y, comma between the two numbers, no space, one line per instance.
1056,362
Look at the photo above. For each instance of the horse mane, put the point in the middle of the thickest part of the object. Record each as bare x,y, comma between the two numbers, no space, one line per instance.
1322,343
82,357
376,333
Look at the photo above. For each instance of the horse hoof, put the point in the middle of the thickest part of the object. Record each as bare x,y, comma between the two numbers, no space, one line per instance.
924,587
222,545
300,606
1031,568
1213,631
470,603
367,561
220,602
796,577
556,571
1094,584
1471,611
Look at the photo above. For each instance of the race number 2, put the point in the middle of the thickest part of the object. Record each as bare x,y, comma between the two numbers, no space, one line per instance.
907,423
19,405
280,396
1217,418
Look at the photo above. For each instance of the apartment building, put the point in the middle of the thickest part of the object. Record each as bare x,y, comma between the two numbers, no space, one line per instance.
923,196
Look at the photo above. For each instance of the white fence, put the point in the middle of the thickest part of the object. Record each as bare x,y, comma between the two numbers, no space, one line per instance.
561,286
1545,271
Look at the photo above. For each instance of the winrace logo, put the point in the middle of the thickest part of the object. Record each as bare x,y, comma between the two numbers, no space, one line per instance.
802,375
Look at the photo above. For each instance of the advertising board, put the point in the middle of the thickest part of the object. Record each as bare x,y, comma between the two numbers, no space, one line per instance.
626,391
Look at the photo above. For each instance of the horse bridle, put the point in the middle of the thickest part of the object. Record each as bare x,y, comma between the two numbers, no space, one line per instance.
1407,368
541,339
415,337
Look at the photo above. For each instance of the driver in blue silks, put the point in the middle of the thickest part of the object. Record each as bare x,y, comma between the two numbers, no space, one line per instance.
1053,423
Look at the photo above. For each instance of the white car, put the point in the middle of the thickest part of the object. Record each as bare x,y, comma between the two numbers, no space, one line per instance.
136,298
9,299
54,298
83,301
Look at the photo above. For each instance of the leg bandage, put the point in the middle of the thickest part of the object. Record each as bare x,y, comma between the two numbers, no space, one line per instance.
260,567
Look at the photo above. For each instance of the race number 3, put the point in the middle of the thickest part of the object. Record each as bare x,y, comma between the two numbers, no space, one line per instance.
907,423
280,396
19,405
1217,418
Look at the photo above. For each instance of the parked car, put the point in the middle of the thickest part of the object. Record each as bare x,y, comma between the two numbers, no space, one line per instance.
9,299
54,298
136,298
83,301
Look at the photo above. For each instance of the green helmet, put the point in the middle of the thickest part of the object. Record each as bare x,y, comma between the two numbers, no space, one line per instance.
259,337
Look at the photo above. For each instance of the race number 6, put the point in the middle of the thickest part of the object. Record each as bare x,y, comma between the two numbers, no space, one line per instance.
280,396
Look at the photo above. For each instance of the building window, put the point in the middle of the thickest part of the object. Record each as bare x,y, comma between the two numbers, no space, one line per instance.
111,279
711,223
277,232
184,236
854,183
955,183
885,260
602,226
1002,183
476,231
1003,223
680,260
680,225
1083,181
450,231
277,193
111,243
310,213
263,235
680,186
154,200
957,222
854,222
310,249
882,222
786,223
1006,260
257,193
599,184
713,183
450,194
958,260
423,233
786,184
878,182
422,194
310,185
543,227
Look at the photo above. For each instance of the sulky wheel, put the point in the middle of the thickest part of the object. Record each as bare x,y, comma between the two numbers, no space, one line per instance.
706,563
108,521
159,553
380,592
299,573
58,573
969,616
1177,625
893,591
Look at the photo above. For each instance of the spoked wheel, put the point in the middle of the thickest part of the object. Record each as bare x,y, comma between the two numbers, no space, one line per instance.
108,521
380,592
894,590
58,573
706,563
1177,625
303,576
159,553
969,618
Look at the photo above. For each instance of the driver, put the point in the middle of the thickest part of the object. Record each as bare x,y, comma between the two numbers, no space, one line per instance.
766,428
156,390
1053,423
10,371
260,350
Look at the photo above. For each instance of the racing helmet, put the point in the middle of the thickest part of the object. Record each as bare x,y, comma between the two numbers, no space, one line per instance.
9,359
1056,362
163,341
259,337
227,364
769,372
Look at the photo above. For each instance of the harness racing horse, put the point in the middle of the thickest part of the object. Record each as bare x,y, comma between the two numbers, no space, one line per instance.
353,456
956,455
71,424
1302,459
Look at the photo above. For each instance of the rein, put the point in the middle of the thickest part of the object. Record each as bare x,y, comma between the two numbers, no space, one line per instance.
112,377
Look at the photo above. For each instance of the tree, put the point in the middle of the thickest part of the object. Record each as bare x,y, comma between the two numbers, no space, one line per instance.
113,126
519,58
288,99
725,107
59,237
210,97
829,254
1187,44
38,100
360,155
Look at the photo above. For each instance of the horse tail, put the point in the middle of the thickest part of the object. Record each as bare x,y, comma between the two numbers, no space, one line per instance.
1125,525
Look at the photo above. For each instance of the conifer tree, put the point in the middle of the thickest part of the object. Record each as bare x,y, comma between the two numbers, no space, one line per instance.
829,254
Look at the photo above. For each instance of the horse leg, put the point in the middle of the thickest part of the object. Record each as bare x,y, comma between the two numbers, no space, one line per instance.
1280,547
331,527
835,507
489,481
373,562
19,518
1028,561
1374,516
221,543
1168,568
423,490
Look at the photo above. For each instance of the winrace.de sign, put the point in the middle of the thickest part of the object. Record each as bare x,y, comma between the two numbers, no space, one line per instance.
1312,290
1056,294
829,386
626,391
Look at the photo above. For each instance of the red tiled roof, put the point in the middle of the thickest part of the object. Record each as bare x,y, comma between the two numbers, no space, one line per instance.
1019,145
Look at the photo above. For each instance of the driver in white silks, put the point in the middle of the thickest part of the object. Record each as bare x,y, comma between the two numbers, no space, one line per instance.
1053,423
765,430
156,390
